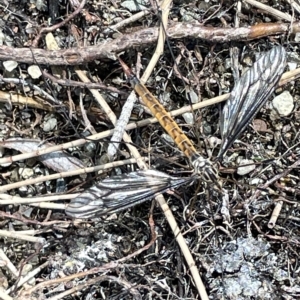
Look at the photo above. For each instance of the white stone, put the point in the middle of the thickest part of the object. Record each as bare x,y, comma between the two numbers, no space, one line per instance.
243,170
10,65
188,118
283,104
34,71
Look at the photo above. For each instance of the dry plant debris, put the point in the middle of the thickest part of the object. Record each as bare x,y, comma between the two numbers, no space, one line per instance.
62,85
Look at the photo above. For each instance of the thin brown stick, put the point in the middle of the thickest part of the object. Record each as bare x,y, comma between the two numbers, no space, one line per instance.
142,38
275,213
258,192
270,10
76,172
56,26
89,85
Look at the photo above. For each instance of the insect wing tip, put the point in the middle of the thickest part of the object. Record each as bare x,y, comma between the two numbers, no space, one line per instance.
249,94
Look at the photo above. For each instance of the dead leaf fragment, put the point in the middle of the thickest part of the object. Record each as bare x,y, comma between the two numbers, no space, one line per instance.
58,161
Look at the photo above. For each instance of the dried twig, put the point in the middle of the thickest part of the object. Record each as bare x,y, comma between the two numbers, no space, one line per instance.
89,85
275,214
270,10
273,180
66,174
33,86
56,26
128,21
24,237
141,38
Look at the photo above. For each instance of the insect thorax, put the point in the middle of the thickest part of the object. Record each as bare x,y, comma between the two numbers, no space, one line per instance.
204,168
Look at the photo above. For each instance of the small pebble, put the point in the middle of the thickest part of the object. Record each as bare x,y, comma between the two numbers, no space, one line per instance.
49,125
26,173
283,104
34,71
243,170
10,65
188,118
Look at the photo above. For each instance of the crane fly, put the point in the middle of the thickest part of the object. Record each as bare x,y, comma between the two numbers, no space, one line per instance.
249,94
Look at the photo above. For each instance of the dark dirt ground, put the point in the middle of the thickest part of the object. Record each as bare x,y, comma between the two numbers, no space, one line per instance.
239,251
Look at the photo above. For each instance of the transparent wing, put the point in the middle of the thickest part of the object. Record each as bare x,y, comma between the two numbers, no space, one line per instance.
249,94
120,192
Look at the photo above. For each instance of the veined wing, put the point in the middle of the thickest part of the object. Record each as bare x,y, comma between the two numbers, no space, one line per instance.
120,192
249,94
